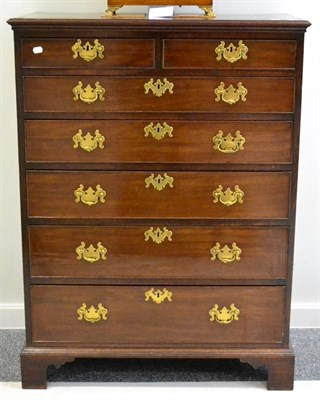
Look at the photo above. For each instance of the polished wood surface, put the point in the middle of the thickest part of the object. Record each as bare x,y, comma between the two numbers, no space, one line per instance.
262,54
51,195
183,320
118,53
54,94
186,256
125,142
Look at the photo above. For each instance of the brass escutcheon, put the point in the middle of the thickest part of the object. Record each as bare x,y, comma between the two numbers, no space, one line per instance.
228,144
88,52
158,236
92,314
231,95
224,316
232,53
225,255
228,197
91,254
158,88
159,182
158,131
88,142
158,296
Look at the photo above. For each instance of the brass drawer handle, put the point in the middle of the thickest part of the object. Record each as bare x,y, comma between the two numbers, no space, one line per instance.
158,236
90,196
88,94
91,254
224,316
159,182
228,144
88,52
228,197
231,95
158,296
92,314
158,132
88,142
226,255
232,53
158,88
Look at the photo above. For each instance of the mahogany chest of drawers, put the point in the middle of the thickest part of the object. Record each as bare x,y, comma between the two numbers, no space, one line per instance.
158,170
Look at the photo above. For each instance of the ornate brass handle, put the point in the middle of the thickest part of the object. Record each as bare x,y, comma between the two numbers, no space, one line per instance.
158,88
158,296
228,144
226,255
158,132
90,196
91,254
92,314
158,236
159,182
228,197
224,316
231,95
88,142
232,53
88,94
88,52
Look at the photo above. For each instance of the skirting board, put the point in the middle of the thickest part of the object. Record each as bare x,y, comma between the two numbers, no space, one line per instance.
303,315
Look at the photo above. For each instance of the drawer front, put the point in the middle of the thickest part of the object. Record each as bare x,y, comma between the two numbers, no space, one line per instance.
106,53
184,319
163,252
208,54
57,94
154,141
166,195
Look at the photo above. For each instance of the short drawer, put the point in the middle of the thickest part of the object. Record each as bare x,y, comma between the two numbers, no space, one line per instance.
168,194
88,53
125,94
229,53
103,314
158,141
165,252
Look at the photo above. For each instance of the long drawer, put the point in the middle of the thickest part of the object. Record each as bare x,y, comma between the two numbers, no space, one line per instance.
154,141
165,252
128,94
111,314
221,195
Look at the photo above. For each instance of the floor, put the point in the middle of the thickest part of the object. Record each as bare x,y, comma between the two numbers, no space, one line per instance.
165,379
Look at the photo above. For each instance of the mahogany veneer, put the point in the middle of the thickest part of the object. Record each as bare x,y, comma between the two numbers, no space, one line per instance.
93,269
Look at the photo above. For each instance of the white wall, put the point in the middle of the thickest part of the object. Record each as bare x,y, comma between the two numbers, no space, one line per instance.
306,290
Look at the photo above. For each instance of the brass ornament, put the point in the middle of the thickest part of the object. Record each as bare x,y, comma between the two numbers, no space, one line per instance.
111,11
158,236
231,95
224,316
228,144
158,131
158,88
232,53
228,197
90,196
159,182
88,142
158,296
88,94
88,52
92,314
208,11
226,255
91,254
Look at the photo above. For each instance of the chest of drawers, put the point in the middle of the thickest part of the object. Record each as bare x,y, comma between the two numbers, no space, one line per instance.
158,170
